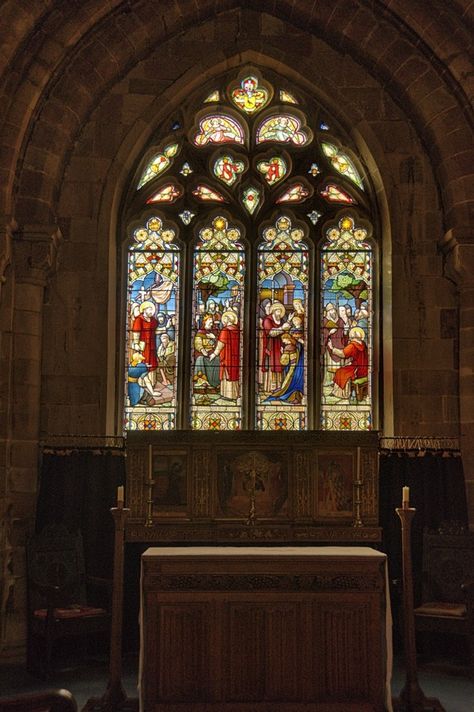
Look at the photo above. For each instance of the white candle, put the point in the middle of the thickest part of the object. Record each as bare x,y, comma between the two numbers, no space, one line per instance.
405,497
358,465
120,496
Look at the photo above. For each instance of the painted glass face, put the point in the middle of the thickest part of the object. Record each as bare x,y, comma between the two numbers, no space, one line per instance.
282,296
217,345
346,329
152,330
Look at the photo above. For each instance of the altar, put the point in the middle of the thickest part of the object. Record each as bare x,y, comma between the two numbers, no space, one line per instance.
264,629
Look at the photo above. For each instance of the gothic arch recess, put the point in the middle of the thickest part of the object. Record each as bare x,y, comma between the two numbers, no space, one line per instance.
322,186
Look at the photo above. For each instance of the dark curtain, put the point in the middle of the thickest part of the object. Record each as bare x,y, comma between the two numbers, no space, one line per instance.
77,488
437,492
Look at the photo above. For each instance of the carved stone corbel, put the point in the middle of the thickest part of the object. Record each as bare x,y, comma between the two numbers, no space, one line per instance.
457,246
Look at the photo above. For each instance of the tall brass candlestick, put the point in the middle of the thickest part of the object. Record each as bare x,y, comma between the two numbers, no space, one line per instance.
115,698
149,487
357,493
411,697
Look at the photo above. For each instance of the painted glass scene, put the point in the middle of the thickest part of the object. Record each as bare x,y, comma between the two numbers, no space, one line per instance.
152,328
346,329
282,297
218,293
283,128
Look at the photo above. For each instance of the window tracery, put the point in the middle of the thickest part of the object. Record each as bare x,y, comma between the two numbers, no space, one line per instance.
273,214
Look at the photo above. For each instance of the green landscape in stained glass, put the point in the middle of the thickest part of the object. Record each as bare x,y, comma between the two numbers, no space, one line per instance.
152,329
346,269
218,295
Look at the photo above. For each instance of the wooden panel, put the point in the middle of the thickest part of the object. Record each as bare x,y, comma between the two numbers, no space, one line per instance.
183,652
285,642
244,652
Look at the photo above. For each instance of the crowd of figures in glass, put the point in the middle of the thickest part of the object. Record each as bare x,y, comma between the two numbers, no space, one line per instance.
346,333
282,328
250,164
152,328
219,272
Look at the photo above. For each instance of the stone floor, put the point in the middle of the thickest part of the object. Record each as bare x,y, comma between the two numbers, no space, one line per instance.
446,681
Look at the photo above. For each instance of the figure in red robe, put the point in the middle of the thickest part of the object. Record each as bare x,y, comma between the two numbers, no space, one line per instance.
273,327
356,351
228,350
144,334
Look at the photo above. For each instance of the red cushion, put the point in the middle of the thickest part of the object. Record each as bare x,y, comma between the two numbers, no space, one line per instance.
71,612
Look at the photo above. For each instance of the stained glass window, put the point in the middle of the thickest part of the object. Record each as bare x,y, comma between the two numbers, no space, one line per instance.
282,297
159,163
335,194
241,152
250,96
283,128
218,294
219,129
152,331
346,270
342,163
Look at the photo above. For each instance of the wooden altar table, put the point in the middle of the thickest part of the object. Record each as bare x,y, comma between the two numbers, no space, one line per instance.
264,629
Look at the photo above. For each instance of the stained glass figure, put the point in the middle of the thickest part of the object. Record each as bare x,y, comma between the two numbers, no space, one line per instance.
296,193
335,194
186,216
152,328
284,128
273,170
168,193
203,192
213,97
314,170
159,163
251,198
342,163
346,269
287,97
219,128
314,216
227,169
282,297
186,169
217,345
250,96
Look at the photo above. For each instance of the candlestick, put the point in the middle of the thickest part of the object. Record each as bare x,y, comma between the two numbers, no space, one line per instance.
405,497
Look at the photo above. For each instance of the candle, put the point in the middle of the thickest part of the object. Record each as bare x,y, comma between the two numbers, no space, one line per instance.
120,496
150,462
358,465
405,497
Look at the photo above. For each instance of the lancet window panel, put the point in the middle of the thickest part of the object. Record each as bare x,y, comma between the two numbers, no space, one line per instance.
252,289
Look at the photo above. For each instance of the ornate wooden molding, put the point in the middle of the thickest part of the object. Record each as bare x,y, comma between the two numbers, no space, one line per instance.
6,251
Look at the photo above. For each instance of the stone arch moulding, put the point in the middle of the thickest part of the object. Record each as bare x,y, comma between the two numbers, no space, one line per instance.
111,220
375,35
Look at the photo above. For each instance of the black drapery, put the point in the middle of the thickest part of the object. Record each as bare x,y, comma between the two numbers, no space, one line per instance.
77,488
437,492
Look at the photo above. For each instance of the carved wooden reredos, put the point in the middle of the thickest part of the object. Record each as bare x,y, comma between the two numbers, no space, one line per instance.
261,487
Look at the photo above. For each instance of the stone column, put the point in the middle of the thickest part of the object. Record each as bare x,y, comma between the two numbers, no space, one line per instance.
458,247
34,251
